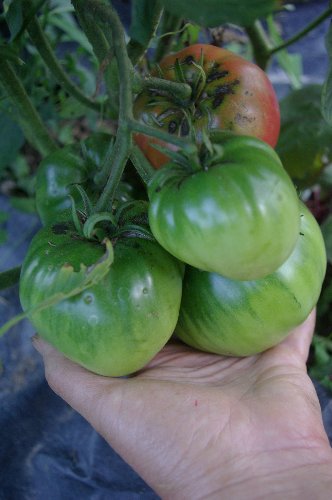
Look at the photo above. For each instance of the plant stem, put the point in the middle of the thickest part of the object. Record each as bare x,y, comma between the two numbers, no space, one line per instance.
101,49
177,90
169,24
302,32
28,118
260,43
142,165
108,19
45,50
136,50
10,277
161,134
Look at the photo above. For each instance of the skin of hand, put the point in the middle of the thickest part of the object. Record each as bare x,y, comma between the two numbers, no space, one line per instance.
197,425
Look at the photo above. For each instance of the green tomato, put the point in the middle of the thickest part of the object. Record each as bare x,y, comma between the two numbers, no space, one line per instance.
60,171
237,216
56,175
118,324
241,318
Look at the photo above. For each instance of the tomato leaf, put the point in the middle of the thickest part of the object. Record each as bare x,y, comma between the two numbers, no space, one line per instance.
212,13
326,228
16,20
142,20
11,140
72,283
10,277
305,142
290,63
327,87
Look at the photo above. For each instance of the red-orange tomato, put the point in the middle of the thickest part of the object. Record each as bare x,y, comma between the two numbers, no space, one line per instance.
233,94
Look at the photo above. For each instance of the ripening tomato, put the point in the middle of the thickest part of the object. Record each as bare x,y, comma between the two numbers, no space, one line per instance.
119,323
237,215
228,92
242,318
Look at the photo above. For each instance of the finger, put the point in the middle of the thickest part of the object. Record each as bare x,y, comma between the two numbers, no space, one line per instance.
298,342
80,388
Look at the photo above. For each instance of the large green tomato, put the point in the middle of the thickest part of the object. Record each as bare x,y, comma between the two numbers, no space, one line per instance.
117,325
241,318
237,216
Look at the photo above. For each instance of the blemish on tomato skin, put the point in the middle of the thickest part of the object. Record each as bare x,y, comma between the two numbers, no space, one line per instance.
196,402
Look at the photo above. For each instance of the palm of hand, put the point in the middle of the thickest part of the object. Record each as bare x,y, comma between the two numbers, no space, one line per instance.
188,408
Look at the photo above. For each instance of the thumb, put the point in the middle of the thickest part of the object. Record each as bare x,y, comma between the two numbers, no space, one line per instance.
81,389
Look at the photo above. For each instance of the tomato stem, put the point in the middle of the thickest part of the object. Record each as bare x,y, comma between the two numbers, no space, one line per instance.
176,90
111,26
300,34
260,43
161,134
142,165
102,51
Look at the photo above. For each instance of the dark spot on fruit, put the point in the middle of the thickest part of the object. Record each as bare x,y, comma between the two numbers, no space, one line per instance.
239,118
172,127
222,90
61,228
216,75
189,60
301,234
184,127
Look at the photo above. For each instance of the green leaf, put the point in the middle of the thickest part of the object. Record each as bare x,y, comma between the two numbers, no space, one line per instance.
16,20
321,365
327,87
14,17
67,24
71,283
10,277
142,20
210,13
11,140
27,205
10,53
290,63
305,141
326,228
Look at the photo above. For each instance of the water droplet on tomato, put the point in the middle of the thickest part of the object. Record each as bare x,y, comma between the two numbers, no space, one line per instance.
88,299
93,320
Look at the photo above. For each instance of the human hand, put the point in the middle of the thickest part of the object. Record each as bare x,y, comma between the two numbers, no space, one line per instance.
197,425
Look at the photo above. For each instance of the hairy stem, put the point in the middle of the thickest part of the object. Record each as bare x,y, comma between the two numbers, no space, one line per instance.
107,18
325,15
260,43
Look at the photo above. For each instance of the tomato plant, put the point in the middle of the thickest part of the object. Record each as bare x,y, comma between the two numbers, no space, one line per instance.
117,325
243,318
237,214
228,92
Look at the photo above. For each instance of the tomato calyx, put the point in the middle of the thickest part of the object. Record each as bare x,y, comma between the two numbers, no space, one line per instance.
130,219
206,96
